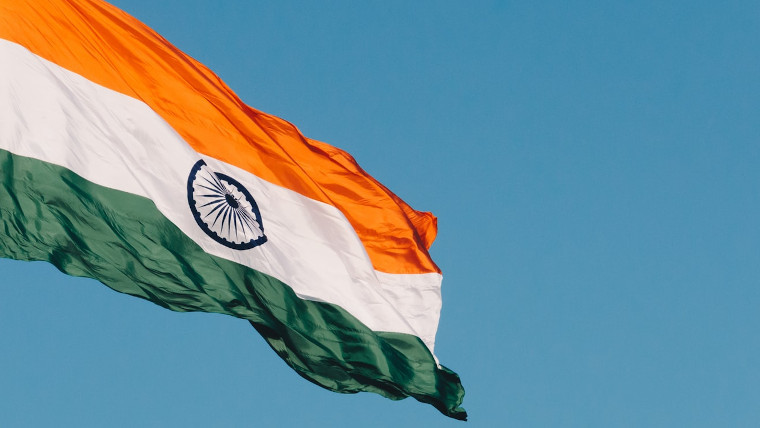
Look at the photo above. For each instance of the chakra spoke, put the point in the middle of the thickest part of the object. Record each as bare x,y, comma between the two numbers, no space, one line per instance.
235,219
218,185
250,219
229,220
222,206
216,201
213,189
253,225
225,214
218,206
243,225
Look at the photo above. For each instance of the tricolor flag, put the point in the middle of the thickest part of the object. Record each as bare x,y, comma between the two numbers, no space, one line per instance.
124,160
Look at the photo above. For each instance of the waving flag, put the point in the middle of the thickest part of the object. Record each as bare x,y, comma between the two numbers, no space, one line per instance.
124,160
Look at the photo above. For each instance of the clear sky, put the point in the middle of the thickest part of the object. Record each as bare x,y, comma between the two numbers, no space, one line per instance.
595,167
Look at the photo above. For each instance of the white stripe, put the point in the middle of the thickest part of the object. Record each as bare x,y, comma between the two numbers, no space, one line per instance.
116,141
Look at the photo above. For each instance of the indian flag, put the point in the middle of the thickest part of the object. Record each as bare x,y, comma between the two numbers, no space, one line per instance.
124,160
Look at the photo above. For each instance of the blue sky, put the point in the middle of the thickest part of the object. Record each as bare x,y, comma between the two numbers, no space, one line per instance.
594,168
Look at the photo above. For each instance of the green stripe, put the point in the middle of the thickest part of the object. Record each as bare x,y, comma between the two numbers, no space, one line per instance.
49,213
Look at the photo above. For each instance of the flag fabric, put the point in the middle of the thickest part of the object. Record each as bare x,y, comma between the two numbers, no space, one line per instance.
125,160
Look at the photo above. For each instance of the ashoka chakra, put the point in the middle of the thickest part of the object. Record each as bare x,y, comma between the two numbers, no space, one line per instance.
224,209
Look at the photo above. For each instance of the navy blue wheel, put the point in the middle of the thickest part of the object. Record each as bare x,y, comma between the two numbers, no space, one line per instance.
224,209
